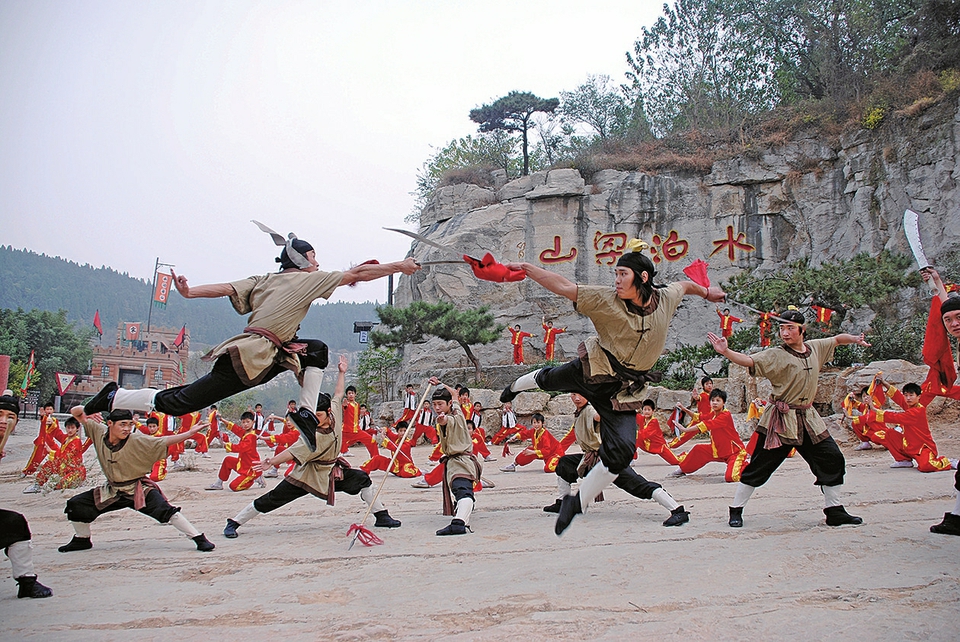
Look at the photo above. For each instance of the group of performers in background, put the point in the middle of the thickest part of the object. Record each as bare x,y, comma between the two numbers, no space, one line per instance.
614,418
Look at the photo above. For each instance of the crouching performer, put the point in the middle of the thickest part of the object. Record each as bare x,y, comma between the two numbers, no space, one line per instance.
318,469
126,458
461,469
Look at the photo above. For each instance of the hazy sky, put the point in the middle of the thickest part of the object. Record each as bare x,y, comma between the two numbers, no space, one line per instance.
131,130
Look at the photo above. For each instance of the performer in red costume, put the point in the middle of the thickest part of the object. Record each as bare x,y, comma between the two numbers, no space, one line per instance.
702,401
47,441
856,406
280,442
915,443
650,436
152,428
409,405
403,465
543,446
725,443
243,461
550,338
726,322
214,433
516,340
65,468
424,427
351,426
765,324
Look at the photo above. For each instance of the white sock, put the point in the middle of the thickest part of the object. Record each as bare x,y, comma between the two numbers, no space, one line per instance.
564,487
663,498
21,558
82,529
526,382
183,525
742,496
367,495
956,507
463,510
246,514
310,389
141,399
593,484
831,496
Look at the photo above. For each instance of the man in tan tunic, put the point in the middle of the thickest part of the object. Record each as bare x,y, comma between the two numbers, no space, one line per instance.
612,368
276,303
461,468
126,457
319,471
791,421
572,467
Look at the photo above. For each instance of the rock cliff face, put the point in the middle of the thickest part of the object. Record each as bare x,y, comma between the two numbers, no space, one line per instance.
807,198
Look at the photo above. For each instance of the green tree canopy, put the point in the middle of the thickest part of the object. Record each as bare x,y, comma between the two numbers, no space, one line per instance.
57,345
442,320
512,113
599,104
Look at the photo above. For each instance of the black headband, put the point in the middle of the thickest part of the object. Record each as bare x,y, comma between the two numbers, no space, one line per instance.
11,403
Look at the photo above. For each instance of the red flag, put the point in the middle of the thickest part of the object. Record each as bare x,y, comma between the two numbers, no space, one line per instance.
131,331
823,314
96,323
179,340
697,271
28,377
162,291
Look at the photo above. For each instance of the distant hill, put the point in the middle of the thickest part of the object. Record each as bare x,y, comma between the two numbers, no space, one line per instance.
29,280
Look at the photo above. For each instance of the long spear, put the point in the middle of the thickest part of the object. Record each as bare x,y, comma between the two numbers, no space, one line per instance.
356,529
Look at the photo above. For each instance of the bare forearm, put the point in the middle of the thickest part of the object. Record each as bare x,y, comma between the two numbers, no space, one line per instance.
210,291
552,281
738,358
373,271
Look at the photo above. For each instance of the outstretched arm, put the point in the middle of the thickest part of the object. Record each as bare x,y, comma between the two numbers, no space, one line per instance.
723,349
172,440
372,271
847,339
341,386
211,291
712,294
554,282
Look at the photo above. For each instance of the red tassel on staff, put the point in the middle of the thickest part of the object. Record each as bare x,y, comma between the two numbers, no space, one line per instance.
506,450
366,536
697,271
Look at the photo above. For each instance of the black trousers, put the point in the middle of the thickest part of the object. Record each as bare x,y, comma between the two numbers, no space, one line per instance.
13,528
825,460
618,429
354,480
461,487
628,479
223,382
83,508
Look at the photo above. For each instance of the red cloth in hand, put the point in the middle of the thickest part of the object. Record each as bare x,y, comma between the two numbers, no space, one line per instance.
488,269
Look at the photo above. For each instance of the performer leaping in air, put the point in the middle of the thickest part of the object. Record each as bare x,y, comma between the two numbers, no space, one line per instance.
631,320
276,303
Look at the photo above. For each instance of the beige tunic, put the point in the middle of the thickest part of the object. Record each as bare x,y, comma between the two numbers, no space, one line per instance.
312,472
124,466
794,380
456,443
277,302
586,430
635,340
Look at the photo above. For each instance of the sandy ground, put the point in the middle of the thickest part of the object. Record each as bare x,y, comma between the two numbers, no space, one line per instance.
616,573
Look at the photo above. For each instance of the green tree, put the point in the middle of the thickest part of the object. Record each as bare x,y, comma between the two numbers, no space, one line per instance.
377,372
442,320
57,345
598,104
512,113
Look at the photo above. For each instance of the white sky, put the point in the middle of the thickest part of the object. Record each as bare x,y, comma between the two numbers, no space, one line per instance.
131,130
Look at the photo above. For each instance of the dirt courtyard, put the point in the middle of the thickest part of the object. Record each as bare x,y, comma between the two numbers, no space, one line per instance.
615,574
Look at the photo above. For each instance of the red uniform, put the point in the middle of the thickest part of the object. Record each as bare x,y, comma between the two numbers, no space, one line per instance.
516,340
66,465
725,445
351,430
214,419
823,314
187,422
765,324
403,465
543,445
915,442
46,444
726,323
550,339
245,457
409,408
704,411
424,428
281,442
650,439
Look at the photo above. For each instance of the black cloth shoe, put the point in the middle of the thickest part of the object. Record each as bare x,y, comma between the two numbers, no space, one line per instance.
102,401
384,520
554,507
307,423
508,395
736,517
30,587
456,527
76,544
203,544
677,516
569,508
837,516
949,526
230,531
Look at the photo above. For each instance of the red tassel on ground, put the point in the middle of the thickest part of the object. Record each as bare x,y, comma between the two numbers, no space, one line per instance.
366,536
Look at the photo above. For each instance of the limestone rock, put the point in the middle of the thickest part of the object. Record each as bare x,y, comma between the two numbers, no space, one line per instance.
561,405
560,182
528,403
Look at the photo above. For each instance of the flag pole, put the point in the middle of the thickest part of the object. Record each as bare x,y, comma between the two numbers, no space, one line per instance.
153,287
